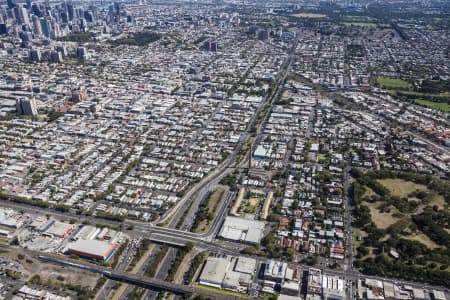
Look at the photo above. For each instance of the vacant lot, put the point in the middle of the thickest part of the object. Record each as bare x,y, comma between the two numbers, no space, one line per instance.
72,276
393,83
401,188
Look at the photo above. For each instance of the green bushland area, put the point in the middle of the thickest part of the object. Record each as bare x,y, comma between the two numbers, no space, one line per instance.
108,216
153,266
416,208
19,199
245,147
183,217
196,263
82,37
231,181
181,253
269,248
138,39
207,211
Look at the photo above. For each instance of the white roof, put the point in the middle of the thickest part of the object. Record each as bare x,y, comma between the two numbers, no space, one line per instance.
214,270
239,229
231,279
94,247
245,265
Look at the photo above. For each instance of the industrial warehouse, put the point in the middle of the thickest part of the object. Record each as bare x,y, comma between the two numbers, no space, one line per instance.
91,249
232,273
243,230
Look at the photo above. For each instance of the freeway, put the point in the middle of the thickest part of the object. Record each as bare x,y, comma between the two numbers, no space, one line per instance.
176,237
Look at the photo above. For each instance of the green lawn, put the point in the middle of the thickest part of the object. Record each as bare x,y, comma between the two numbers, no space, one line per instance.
441,106
71,61
393,83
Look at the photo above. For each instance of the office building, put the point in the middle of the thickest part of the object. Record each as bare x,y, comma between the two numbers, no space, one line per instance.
35,55
26,106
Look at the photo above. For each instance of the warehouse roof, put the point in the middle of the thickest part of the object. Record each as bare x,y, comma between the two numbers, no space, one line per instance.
91,248
59,228
245,265
214,270
244,230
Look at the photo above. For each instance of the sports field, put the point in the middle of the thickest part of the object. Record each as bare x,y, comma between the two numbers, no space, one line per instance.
310,16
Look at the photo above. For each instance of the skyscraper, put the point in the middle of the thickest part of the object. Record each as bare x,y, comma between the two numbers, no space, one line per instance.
70,11
36,25
21,15
45,27
35,55
35,9
3,29
26,106
11,4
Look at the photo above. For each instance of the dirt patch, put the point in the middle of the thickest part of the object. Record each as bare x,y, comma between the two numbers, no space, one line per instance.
253,201
381,220
72,275
423,239
401,188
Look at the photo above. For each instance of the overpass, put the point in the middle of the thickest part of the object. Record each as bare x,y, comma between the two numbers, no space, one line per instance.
145,282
